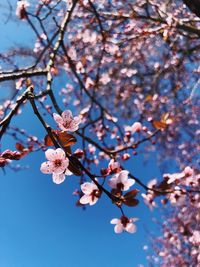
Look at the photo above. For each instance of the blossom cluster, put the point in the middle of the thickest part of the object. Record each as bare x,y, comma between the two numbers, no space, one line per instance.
57,164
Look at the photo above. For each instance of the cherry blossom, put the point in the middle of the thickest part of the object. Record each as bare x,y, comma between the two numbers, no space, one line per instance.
149,196
120,181
91,193
187,173
173,177
124,224
21,9
136,127
66,122
57,165
128,53
113,166
58,178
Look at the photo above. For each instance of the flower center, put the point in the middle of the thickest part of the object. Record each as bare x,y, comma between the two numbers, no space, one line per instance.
57,162
95,193
120,186
124,220
67,124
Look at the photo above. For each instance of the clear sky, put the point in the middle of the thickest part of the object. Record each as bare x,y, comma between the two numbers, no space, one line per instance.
40,226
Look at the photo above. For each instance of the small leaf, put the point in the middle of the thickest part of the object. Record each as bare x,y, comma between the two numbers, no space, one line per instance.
66,139
19,147
76,171
63,137
165,117
48,141
131,194
131,202
159,125
148,98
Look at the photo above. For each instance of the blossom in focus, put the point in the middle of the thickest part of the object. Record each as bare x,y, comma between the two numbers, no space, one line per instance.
57,165
124,224
120,181
91,193
66,122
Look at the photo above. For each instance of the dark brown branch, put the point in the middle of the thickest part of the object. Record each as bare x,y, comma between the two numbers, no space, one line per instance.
194,6
23,73
6,121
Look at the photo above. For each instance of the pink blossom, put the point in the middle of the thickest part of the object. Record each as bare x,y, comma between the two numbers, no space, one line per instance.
195,238
91,193
124,224
57,165
149,196
188,171
66,122
136,127
120,181
19,84
177,197
105,78
21,9
113,166
173,177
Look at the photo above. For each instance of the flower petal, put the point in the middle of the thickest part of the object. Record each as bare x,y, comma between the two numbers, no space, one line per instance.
93,201
58,119
128,184
60,154
61,168
58,178
113,182
67,116
63,128
123,176
85,199
47,167
52,154
87,188
136,127
78,119
118,228
131,228
114,221
68,172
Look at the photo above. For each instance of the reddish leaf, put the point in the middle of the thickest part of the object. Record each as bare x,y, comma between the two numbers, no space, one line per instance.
48,141
159,125
79,153
131,202
131,194
19,147
76,171
3,162
64,138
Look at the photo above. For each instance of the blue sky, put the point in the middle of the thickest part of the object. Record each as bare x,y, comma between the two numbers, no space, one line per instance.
39,223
